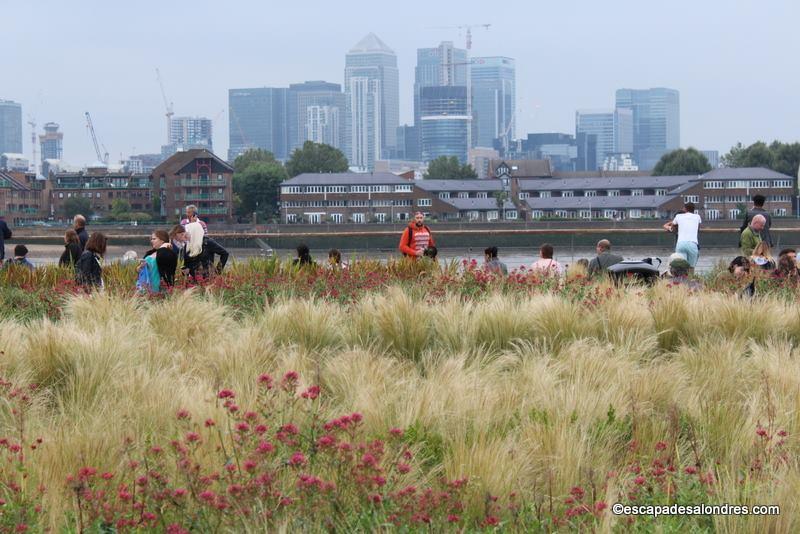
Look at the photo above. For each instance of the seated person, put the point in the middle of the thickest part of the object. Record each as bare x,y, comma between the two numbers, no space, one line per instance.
20,258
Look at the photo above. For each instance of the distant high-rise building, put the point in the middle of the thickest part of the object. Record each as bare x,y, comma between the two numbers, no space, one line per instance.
444,65
326,102
587,152
258,119
712,156
10,127
408,143
445,122
613,130
656,122
372,89
559,148
51,142
186,133
493,100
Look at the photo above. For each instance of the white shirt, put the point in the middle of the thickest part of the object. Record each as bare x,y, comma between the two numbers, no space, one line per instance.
688,225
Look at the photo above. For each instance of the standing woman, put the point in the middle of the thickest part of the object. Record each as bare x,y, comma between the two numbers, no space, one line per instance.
166,258
72,249
193,260
89,270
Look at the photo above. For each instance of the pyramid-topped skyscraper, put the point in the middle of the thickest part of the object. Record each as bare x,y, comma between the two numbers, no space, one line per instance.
372,89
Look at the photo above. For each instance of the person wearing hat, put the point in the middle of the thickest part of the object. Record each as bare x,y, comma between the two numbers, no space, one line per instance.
20,253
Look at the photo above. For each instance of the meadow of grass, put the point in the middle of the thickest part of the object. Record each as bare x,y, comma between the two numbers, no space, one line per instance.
394,398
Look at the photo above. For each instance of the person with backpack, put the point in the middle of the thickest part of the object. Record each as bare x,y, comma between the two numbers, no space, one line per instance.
20,253
89,269
5,233
416,238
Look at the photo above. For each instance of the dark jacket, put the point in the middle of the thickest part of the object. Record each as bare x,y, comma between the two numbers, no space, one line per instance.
72,252
5,233
88,271
211,248
602,262
765,235
83,236
167,263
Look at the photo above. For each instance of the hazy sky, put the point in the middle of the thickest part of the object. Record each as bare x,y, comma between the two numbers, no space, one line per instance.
736,63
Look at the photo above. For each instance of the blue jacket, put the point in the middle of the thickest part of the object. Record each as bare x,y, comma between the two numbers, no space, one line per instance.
5,233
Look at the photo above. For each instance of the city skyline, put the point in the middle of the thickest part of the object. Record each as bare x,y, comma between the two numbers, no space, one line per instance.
732,89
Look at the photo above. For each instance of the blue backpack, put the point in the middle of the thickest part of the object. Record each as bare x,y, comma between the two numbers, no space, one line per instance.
149,277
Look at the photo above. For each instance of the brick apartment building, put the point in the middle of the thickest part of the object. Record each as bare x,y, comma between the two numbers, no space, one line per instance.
101,188
23,198
196,177
384,197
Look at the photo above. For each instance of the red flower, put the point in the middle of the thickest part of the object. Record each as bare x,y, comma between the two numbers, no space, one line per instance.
396,432
660,446
403,468
183,414
491,521
192,437
265,380
311,393
640,480
691,470
107,476
209,423
226,394
297,459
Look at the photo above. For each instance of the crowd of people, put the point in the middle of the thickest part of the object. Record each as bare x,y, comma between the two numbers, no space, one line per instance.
187,248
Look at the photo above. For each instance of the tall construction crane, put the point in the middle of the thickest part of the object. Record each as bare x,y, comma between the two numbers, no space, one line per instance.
468,27
167,105
100,156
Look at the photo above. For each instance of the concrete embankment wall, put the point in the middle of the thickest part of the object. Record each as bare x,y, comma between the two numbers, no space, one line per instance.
785,232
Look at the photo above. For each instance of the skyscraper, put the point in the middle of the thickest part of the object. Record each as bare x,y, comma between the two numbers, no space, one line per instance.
51,142
440,66
315,111
493,100
190,132
613,130
258,119
656,122
372,91
445,122
10,127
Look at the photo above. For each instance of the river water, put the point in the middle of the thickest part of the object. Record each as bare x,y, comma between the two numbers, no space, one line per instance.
513,257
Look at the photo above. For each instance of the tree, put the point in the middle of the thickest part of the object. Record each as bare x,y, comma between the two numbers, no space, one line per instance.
257,188
682,162
77,205
253,155
778,156
120,208
449,168
316,158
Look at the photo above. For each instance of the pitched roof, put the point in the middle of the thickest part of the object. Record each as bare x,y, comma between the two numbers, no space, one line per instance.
608,182
370,43
621,202
745,173
12,182
346,178
173,164
479,204
459,185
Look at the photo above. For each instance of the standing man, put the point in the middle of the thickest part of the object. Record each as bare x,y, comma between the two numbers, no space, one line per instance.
751,236
5,233
604,258
191,216
416,238
758,209
79,225
688,224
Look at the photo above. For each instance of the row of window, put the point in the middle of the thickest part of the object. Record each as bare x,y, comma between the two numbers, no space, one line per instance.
592,193
359,218
346,203
320,189
715,214
734,199
463,194
746,184
119,194
590,214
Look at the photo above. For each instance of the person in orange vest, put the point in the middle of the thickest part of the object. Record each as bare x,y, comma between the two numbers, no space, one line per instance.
416,238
